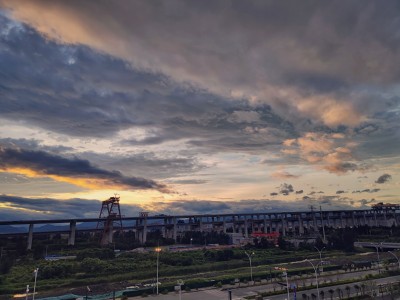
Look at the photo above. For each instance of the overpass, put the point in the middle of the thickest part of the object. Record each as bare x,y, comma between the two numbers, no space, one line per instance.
382,245
296,223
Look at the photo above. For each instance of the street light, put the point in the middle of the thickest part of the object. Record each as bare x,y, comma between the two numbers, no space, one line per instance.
180,283
316,274
377,253
320,253
27,291
284,273
251,268
287,284
158,250
398,261
34,286
191,242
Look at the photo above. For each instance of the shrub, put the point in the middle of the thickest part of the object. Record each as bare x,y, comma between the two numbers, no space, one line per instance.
164,292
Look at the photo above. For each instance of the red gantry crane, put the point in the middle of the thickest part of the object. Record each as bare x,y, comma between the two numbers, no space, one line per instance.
110,214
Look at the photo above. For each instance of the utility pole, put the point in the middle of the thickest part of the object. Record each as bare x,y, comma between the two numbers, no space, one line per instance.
322,223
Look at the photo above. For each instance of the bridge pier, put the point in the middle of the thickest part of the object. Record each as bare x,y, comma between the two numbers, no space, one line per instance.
175,229
283,225
246,228
224,224
30,237
72,230
301,227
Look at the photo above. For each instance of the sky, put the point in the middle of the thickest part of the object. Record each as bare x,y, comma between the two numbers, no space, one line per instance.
197,106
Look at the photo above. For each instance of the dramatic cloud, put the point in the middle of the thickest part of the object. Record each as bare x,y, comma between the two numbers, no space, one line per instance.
244,49
222,100
367,191
383,178
331,152
76,171
286,189
283,175
19,208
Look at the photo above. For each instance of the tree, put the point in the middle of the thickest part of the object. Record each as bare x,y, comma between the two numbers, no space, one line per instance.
339,292
313,296
363,288
331,292
282,243
347,288
5,265
357,288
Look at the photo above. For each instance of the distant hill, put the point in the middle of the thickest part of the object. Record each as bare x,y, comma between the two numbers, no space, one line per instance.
11,229
8,229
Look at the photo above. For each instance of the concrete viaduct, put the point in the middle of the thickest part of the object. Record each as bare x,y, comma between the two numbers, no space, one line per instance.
294,223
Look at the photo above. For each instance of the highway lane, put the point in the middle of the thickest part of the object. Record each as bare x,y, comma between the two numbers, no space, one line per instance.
240,293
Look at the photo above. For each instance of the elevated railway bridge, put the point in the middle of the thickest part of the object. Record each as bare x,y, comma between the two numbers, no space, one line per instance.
296,223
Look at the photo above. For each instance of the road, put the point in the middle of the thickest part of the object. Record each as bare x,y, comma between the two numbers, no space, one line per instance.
240,293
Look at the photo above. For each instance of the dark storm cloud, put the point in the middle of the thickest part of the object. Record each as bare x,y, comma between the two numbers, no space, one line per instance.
344,167
189,181
33,145
19,208
220,131
95,95
367,191
147,164
273,194
244,206
49,164
383,178
365,201
245,45
285,189
84,93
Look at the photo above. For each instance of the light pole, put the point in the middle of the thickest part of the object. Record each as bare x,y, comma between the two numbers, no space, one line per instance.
377,254
284,273
191,242
27,291
158,250
398,261
320,253
180,283
322,223
287,284
316,274
251,268
34,285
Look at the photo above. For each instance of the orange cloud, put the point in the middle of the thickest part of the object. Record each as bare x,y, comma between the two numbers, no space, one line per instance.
330,111
88,183
330,152
283,175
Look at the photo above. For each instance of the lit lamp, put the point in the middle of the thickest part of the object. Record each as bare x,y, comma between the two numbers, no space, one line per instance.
158,250
27,292
34,285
